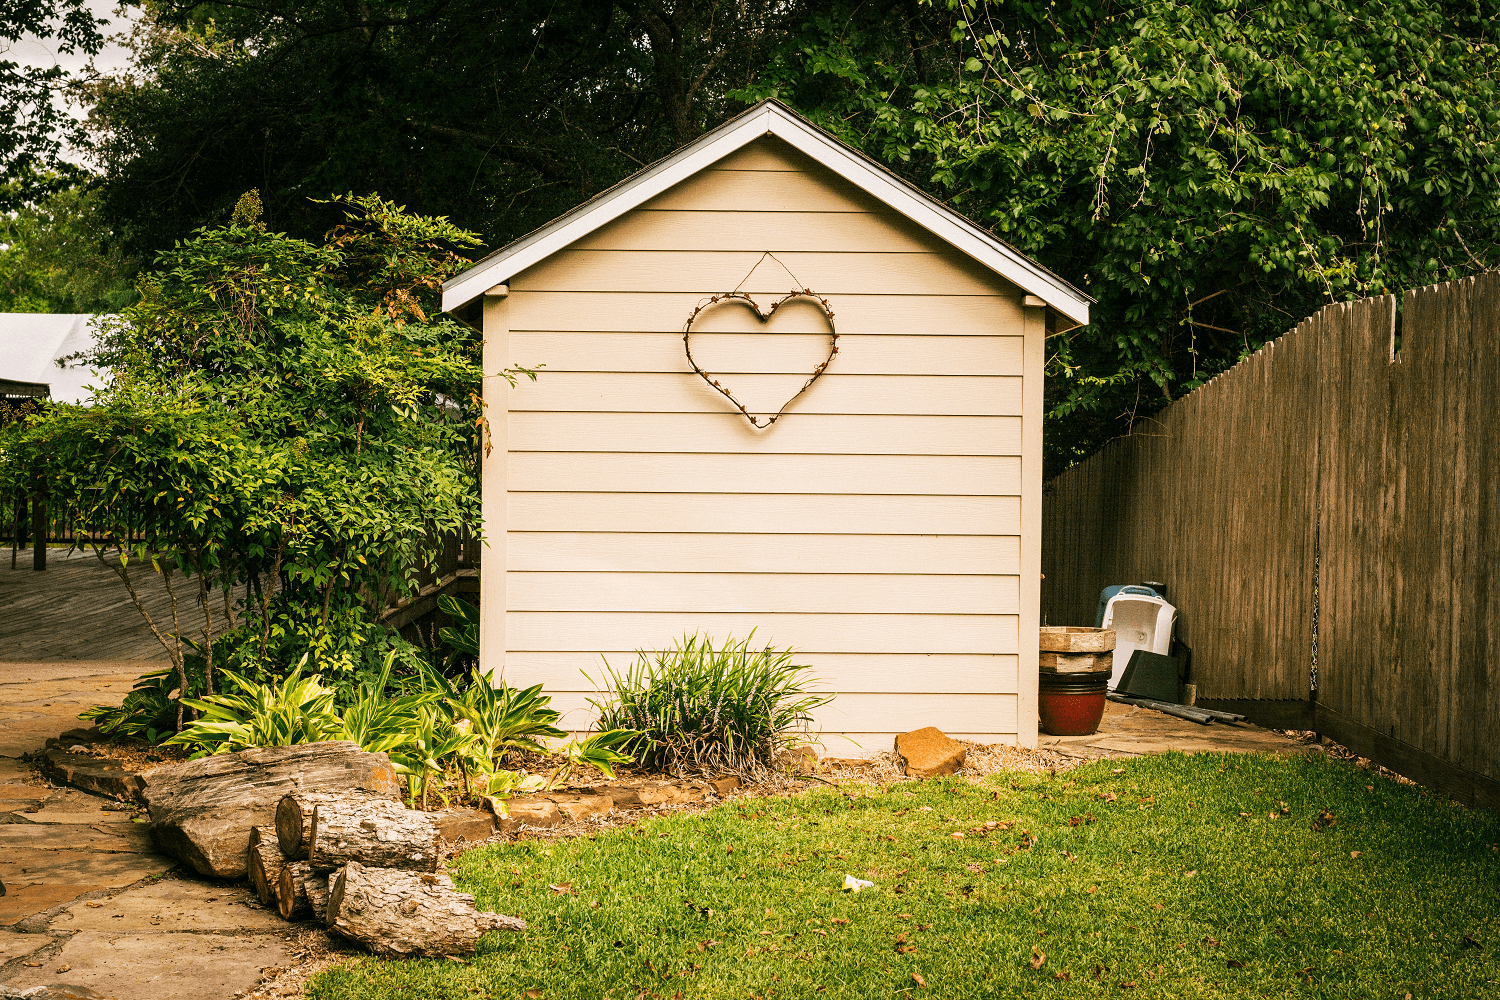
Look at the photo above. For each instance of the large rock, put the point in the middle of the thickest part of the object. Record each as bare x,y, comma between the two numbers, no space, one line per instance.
202,811
927,753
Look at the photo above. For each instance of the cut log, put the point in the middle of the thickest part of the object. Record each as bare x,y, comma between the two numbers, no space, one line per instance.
294,815
202,811
291,894
373,832
265,862
408,915
316,887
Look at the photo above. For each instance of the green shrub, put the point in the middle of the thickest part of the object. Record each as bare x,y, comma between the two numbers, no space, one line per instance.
703,709
297,710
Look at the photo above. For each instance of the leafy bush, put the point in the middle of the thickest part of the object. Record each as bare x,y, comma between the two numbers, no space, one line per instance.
436,730
149,711
297,710
706,709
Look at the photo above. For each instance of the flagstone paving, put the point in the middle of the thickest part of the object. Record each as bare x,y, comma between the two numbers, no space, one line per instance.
88,904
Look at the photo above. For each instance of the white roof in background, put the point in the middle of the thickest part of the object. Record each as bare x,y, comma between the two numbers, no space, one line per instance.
31,344
769,118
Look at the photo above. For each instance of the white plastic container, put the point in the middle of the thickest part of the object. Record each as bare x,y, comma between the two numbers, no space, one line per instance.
1139,622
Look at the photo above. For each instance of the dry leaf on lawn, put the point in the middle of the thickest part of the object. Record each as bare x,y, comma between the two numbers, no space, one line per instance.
1038,957
917,978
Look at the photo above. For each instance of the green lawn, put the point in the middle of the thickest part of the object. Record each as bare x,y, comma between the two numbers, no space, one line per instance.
1168,879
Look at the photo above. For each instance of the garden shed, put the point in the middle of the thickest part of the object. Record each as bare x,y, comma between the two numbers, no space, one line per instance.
887,525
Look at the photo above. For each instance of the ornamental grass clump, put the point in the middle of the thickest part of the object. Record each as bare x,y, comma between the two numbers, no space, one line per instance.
705,709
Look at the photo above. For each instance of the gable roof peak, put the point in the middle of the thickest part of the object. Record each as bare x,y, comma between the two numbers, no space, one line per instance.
769,117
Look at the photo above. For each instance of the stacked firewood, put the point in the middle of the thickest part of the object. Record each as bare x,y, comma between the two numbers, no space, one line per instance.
317,830
368,869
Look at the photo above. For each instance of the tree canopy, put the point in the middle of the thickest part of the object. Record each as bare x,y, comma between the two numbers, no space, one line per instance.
1211,171
33,125
286,416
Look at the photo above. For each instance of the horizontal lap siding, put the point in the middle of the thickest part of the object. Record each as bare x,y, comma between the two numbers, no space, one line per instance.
875,528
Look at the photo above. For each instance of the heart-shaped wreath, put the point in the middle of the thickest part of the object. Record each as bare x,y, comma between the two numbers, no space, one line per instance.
764,317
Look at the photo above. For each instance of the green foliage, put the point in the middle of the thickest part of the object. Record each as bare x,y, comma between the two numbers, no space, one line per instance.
296,710
149,711
1166,887
698,708
290,418
1211,172
32,122
499,116
602,752
430,729
463,639
57,253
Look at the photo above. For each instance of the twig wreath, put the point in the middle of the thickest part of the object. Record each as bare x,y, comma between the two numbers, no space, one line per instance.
765,317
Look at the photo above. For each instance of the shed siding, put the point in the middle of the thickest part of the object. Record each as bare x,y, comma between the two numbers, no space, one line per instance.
877,527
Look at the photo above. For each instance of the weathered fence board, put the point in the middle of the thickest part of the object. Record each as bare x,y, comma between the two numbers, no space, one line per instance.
1328,471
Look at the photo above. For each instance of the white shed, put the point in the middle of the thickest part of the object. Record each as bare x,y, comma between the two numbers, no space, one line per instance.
887,526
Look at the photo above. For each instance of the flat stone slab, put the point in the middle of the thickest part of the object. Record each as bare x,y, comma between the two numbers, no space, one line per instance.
472,826
92,774
132,838
1135,730
136,966
172,905
22,901
14,945
29,866
62,991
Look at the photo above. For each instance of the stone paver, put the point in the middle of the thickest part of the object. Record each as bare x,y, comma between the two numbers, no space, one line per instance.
1129,731
182,966
85,890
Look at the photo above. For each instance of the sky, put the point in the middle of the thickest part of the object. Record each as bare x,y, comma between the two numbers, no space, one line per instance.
31,51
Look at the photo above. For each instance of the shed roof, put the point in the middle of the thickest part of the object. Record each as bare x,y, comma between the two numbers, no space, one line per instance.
31,344
769,117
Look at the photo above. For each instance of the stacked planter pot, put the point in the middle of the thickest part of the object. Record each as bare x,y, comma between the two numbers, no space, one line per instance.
1074,663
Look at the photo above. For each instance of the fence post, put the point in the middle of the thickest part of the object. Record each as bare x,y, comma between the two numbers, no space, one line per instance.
19,518
39,532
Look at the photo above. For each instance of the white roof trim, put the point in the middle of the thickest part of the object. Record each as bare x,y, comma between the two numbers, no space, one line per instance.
774,119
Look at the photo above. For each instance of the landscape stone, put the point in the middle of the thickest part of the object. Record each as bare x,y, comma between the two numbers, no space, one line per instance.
61,991
524,810
473,826
15,945
577,807
93,774
927,753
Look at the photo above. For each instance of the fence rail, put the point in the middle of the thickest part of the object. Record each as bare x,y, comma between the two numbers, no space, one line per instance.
1327,518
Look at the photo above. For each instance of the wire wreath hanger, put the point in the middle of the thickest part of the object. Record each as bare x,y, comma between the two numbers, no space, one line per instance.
796,293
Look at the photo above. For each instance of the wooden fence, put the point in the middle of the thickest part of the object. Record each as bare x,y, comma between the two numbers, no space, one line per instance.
1327,518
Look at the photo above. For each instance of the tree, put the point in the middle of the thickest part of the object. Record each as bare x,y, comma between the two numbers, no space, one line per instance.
57,254
1210,171
287,417
498,115
32,125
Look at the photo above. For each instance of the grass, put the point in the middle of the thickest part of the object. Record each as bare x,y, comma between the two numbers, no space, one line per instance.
1167,879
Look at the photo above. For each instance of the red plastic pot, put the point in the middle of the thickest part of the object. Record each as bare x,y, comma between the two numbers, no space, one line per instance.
1071,704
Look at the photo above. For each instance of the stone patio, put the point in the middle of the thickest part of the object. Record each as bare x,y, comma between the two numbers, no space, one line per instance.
1132,731
88,903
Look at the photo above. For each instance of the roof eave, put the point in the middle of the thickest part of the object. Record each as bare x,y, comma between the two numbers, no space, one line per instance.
768,117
